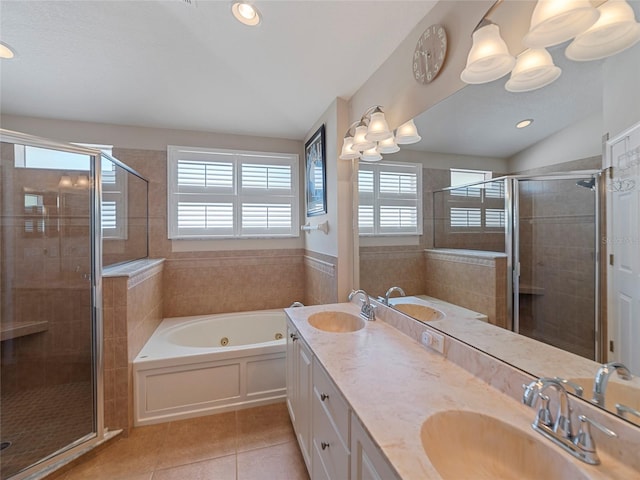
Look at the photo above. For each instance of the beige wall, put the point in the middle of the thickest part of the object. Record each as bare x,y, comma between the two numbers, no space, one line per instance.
393,85
621,101
339,242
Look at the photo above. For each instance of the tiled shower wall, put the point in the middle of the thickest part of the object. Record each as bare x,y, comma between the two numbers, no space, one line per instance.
557,232
385,267
132,309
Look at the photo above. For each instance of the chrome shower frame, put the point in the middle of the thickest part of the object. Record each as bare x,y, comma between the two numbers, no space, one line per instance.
89,441
512,240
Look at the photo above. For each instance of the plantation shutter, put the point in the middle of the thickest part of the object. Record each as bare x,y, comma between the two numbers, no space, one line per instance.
390,199
223,193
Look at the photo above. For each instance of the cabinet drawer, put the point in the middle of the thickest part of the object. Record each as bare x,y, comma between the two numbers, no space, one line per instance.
334,405
328,445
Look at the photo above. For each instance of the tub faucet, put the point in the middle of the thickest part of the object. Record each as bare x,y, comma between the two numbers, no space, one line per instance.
368,311
602,378
385,300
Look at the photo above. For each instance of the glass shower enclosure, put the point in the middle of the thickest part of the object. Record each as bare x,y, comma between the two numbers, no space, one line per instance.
548,228
50,287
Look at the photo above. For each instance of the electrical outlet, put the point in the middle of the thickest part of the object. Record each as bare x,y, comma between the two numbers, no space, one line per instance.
433,340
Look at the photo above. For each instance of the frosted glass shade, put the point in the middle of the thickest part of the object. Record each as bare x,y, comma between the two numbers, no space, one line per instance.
489,57
360,142
534,69
378,128
371,155
407,133
388,145
556,21
615,31
348,153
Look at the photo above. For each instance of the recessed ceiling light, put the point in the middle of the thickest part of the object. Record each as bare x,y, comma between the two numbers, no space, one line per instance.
246,13
524,123
6,51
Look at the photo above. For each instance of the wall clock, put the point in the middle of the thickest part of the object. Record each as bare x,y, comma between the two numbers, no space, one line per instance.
430,53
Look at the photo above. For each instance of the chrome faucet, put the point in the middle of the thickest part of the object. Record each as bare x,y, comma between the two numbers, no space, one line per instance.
602,378
580,445
385,300
535,390
368,311
579,391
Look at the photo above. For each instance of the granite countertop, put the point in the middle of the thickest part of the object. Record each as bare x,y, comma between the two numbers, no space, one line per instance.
393,384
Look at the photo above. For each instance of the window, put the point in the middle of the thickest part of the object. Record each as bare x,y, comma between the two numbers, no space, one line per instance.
464,177
390,199
215,193
114,181
478,208
114,215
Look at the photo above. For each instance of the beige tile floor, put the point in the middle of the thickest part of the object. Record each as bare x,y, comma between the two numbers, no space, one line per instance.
252,444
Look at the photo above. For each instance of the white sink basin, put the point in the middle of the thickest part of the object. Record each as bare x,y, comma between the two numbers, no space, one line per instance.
336,322
468,445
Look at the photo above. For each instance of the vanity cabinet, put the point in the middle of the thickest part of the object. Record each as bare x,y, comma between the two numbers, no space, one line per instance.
330,428
367,461
299,389
333,443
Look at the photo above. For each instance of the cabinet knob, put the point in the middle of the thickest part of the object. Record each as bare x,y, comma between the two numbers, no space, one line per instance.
294,337
324,445
323,396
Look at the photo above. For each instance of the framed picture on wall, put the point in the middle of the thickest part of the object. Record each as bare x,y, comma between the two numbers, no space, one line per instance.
316,174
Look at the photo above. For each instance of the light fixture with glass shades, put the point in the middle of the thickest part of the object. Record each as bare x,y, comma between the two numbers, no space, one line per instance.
597,32
489,58
407,133
246,13
615,31
534,69
370,137
556,21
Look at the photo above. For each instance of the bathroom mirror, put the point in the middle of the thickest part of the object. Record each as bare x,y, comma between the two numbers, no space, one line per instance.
475,129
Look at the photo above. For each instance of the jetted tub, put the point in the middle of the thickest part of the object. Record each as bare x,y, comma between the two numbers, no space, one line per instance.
193,366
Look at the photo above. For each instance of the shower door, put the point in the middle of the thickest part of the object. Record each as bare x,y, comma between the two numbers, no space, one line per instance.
555,232
46,312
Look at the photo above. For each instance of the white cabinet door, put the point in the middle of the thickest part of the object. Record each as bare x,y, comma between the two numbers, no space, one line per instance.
367,461
299,366
303,407
292,391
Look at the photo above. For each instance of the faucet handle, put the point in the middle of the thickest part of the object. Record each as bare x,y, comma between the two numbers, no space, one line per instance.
583,439
568,383
622,410
544,416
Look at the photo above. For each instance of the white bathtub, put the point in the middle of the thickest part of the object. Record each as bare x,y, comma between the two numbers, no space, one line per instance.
194,366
